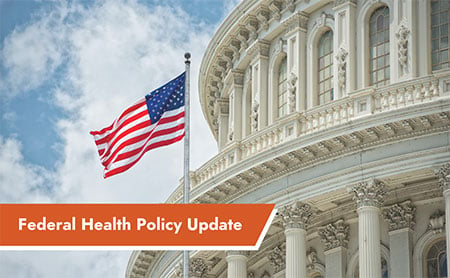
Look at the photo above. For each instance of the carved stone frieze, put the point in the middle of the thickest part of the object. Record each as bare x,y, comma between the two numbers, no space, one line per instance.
198,268
292,88
254,115
341,59
296,215
334,234
400,216
312,259
277,257
369,193
443,175
437,222
402,44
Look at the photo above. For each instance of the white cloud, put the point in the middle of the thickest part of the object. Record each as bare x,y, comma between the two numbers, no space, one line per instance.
112,54
69,264
19,181
32,53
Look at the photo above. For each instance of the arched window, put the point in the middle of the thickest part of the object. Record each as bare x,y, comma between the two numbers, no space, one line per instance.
379,47
440,12
282,88
436,260
325,67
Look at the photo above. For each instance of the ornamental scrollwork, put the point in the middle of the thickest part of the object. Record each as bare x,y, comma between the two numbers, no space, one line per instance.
437,222
341,58
292,88
402,44
443,175
198,268
277,257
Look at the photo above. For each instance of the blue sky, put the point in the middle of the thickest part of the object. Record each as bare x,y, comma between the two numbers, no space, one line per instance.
68,67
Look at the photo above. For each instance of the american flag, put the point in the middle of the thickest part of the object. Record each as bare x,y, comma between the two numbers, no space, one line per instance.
153,121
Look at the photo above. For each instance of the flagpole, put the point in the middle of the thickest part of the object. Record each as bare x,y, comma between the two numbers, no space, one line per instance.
187,55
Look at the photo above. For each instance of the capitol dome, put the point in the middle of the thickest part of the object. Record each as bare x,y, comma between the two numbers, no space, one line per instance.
338,112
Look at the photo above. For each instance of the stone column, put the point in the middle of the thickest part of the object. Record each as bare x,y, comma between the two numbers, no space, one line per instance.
344,71
400,218
335,238
221,109
444,182
237,264
369,197
296,27
296,218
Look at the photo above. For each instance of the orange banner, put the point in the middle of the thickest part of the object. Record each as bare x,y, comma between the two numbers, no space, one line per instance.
134,226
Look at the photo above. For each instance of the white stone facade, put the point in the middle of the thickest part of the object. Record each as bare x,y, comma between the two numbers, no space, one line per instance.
360,173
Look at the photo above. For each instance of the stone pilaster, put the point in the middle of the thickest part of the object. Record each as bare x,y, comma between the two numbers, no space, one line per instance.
259,53
296,218
344,74
444,182
237,264
236,100
369,197
335,238
222,110
401,220
296,27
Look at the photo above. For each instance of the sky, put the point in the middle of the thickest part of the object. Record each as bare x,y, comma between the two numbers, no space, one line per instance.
69,67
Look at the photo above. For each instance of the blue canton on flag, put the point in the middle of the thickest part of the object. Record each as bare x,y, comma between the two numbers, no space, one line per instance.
167,97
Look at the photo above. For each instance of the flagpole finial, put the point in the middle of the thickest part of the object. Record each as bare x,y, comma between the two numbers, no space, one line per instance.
187,55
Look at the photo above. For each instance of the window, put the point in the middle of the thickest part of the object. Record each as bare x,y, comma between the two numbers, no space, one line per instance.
282,88
437,260
439,34
379,47
325,67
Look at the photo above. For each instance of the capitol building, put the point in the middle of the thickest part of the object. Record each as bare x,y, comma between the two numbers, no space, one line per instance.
338,112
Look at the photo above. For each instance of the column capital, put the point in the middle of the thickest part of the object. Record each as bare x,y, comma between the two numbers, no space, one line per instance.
259,49
400,216
339,3
369,193
296,215
443,175
237,78
237,253
334,235
297,21
221,106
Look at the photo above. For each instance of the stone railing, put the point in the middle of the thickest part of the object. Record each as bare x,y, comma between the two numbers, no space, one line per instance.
360,103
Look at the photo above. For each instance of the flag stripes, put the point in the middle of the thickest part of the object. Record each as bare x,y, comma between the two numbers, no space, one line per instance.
132,134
